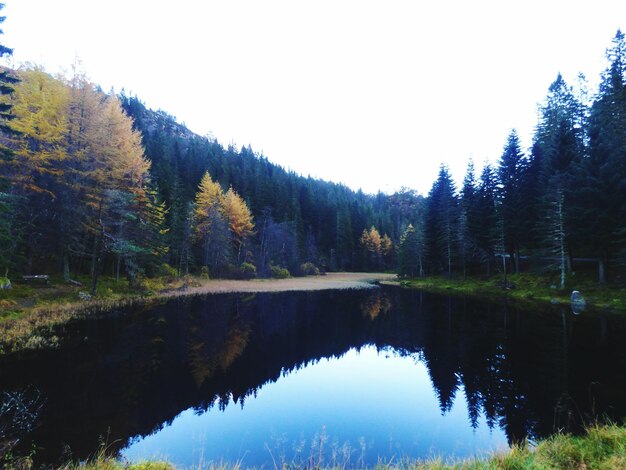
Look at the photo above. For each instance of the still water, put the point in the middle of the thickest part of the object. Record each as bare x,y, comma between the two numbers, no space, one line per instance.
330,377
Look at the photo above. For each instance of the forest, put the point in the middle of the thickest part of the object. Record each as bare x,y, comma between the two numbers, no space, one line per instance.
96,184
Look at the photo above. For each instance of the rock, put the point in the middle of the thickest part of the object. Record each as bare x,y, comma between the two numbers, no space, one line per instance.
5,283
578,302
82,295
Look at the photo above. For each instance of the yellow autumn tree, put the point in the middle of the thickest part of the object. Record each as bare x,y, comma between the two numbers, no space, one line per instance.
211,225
371,240
115,175
209,202
376,246
40,105
386,245
239,219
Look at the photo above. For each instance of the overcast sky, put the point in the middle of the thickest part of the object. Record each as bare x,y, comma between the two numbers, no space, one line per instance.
374,94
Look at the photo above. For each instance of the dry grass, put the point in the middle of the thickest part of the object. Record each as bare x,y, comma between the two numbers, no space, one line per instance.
29,318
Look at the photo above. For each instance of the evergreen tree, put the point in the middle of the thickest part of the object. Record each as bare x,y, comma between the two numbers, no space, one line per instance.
410,254
441,223
559,140
486,235
511,197
602,181
468,223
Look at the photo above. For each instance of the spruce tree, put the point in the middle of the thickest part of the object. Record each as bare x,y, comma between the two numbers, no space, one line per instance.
441,223
511,196
602,181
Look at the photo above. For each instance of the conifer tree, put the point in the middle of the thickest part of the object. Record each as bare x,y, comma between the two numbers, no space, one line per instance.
441,223
239,219
410,254
559,140
603,179
486,235
211,224
511,197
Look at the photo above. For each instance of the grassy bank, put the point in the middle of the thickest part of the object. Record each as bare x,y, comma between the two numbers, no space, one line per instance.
527,289
30,312
603,447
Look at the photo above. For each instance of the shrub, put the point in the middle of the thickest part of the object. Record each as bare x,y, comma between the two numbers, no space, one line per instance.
204,272
279,273
247,270
167,271
309,269
5,283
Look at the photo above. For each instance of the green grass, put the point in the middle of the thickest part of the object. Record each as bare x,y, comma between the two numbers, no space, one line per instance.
29,312
602,447
528,289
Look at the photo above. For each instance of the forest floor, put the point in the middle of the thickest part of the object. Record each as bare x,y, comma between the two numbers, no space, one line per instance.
528,289
30,312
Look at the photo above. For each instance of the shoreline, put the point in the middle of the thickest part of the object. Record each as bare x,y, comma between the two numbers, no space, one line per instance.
32,326
329,281
529,290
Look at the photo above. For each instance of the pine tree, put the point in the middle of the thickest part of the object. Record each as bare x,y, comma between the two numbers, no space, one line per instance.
486,216
410,254
603,177
511,197
441,223
559,140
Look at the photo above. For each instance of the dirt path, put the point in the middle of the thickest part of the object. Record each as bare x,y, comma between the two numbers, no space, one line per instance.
329,281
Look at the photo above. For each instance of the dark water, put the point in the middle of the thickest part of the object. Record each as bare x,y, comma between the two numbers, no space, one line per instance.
345,377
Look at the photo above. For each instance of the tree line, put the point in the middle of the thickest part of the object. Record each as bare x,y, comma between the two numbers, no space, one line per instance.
95,183
560,204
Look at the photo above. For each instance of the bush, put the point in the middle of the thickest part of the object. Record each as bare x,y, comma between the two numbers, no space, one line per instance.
204,272
167,271
309,269
279,273
5,283
247,270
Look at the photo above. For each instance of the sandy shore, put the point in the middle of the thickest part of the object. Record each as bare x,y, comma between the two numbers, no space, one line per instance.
309,283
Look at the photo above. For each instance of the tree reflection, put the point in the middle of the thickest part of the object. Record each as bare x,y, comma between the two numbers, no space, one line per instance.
529,373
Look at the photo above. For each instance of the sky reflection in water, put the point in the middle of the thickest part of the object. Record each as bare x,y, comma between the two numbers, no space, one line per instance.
363,406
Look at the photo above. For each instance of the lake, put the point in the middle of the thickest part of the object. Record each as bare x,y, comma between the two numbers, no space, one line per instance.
307,378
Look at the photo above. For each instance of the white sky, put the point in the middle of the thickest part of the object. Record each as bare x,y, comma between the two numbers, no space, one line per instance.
374,94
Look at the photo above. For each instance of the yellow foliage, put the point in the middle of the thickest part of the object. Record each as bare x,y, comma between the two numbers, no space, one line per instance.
238,214
371,240
209,195
209,203
386,245
40,107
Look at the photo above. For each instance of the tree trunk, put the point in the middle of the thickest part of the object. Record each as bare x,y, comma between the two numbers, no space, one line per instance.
66,266
118,262
96,270
98,241
601,272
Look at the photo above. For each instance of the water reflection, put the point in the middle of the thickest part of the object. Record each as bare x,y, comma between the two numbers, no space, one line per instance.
122,376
